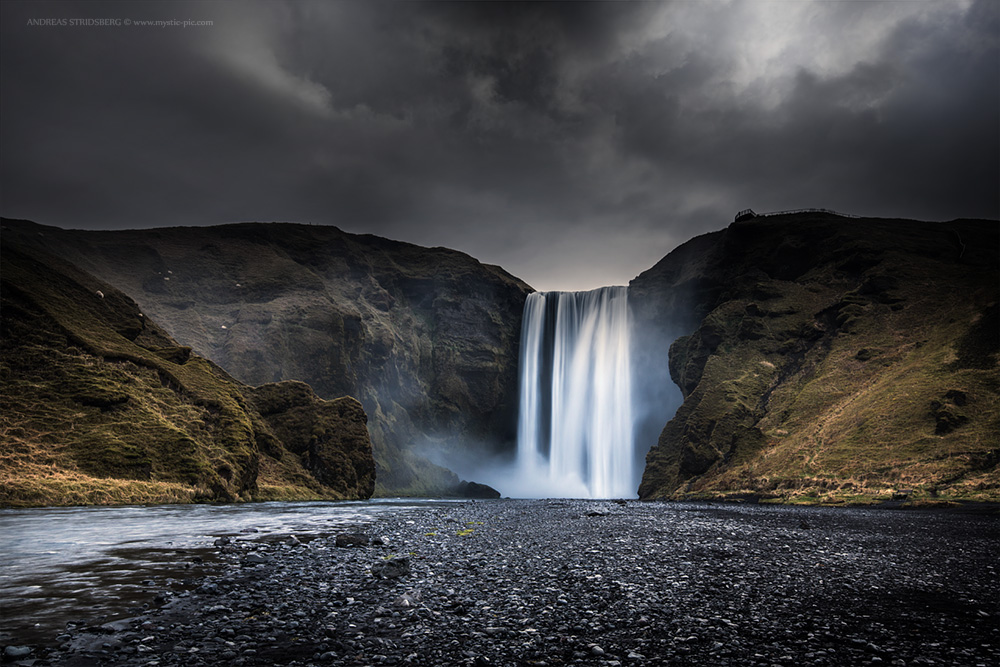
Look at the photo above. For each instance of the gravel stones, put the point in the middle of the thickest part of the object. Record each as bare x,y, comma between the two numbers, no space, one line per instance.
540,582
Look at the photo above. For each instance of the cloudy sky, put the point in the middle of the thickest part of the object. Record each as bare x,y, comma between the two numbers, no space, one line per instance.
572,143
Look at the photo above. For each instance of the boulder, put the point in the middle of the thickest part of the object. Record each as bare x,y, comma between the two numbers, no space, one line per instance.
345,540
392,568
474,490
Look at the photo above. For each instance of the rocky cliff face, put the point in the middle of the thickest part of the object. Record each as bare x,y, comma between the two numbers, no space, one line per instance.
818,359
98,405
425,338
330,438
828,359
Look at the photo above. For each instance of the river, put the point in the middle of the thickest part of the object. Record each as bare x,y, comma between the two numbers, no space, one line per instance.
62,565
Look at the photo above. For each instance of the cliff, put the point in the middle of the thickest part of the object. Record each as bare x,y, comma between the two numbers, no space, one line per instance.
425,338
801,358
824,359
98,405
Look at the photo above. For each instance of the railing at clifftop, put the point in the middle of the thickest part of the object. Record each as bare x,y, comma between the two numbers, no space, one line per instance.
748,213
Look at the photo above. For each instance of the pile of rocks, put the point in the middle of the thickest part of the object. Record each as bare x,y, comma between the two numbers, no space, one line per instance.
589,583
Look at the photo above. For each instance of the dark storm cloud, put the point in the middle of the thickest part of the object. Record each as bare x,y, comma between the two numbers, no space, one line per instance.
572,143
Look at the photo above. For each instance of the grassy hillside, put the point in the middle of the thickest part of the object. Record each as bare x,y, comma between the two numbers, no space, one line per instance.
835,360
99,405
425,338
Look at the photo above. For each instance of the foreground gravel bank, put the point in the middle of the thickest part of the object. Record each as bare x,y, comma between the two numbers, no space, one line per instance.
590,583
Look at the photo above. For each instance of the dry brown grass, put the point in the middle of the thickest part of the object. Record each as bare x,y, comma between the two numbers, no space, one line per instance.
853,417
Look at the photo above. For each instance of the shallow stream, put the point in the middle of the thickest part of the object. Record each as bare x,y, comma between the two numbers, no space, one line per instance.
62,565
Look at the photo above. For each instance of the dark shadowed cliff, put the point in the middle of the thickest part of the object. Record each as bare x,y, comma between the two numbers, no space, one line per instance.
828,359
425,338
98,405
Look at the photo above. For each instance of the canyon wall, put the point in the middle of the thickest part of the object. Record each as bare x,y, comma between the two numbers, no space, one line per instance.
805,357
425,338
99,405
827,359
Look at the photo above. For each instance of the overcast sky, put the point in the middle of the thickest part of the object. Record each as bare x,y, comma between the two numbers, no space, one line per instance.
573,144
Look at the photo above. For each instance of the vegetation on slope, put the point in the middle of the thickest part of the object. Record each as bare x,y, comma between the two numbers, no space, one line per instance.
425,338
99,406
836,361
328,438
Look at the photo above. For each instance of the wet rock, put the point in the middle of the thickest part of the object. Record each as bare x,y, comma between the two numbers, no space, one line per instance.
392,568
256,559
17,652
351,540
475,490
407,600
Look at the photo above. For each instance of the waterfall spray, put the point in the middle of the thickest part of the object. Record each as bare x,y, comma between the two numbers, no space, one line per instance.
575,420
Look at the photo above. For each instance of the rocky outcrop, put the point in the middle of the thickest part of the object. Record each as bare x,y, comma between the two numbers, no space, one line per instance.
425,338
827,359
330,437
475,490
98,405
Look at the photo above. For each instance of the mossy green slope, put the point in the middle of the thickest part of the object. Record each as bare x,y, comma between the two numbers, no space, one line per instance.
99,405
836,360
425,338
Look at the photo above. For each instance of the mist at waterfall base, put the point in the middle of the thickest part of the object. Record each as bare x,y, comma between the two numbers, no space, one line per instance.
575,436
594,394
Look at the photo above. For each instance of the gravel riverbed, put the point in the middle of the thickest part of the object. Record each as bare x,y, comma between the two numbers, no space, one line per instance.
555,582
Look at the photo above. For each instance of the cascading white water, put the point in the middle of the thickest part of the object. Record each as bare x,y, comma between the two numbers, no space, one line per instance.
575,421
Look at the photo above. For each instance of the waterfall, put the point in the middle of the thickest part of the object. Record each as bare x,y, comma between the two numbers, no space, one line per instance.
575,422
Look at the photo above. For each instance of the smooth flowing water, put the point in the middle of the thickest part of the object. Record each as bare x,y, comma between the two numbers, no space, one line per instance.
575,420
61,564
